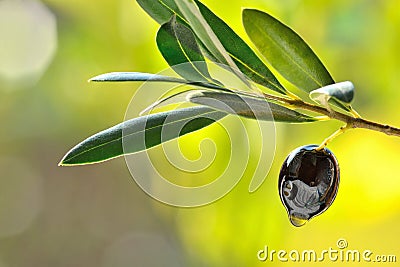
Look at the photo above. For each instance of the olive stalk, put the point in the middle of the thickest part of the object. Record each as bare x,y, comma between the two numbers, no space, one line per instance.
351,121
333,136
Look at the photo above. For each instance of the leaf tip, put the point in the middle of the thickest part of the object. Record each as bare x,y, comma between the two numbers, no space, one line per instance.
95,79
68,162
62,163
247,10
68,159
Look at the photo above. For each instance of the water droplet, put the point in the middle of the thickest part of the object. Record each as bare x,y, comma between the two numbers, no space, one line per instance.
296,221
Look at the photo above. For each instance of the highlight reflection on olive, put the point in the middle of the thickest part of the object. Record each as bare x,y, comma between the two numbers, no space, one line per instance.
308,182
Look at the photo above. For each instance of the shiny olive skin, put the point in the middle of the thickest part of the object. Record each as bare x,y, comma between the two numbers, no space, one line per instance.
308,183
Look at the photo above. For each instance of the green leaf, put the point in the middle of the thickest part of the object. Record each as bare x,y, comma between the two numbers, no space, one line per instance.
287,52
341,94
135,77
242,55
248,107
163,10
160,10
140,133
178,46
148,77
204,32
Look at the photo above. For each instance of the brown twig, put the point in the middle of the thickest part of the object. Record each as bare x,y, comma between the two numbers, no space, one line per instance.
353,122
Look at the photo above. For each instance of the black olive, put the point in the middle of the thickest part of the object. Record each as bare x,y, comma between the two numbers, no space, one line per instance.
308,183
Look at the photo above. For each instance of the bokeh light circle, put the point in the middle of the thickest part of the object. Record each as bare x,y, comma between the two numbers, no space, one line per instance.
28,40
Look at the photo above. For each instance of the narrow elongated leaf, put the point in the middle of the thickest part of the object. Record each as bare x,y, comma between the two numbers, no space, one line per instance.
204,32
147,77
163,10
140,134
177,44
160,10
242,55
135,77
340,94
343,92
179,93
248,107
287,52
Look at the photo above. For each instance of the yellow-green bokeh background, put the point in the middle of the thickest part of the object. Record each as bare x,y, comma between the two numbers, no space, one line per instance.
97,216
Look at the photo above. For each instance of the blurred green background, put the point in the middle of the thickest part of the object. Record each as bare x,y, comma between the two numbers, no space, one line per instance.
97,216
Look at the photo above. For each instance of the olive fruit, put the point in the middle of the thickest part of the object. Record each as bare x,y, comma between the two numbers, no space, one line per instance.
308,182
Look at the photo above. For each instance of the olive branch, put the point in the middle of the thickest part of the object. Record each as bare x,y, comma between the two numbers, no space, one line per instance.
193,35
